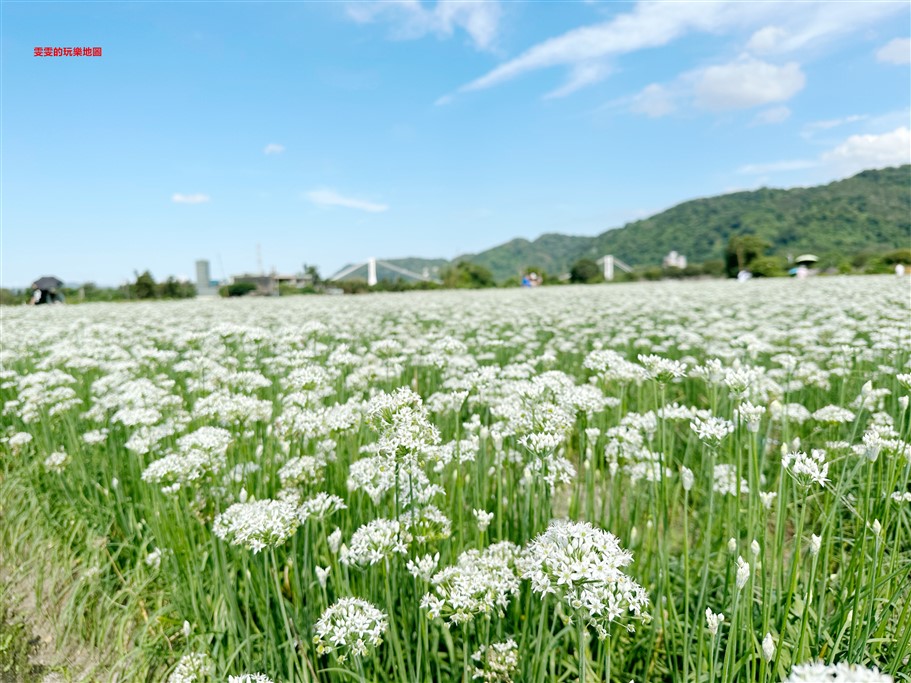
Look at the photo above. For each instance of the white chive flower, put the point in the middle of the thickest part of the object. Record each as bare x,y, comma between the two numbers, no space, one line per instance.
712,430
743,573
807,468
320,506
350,627
580,564
497,663
713,621
423,567
194,667
818,672
481,582
258,524
56,461
375,541
484,519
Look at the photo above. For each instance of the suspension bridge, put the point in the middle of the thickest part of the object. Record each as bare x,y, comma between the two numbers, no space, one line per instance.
371,264
608,262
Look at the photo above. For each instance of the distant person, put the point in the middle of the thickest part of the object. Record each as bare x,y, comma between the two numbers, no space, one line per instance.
44,296
802,272
744,275
900,269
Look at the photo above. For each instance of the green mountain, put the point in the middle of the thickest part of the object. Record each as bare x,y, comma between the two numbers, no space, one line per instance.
868,212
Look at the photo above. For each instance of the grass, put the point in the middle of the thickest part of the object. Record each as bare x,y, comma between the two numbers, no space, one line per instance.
17,644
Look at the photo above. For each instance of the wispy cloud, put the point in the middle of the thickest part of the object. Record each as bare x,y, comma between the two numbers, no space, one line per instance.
198,198
273,148
854,154
654,101
896,51
812,128
777,167
778,27
410,19
582,75
772,116
328,197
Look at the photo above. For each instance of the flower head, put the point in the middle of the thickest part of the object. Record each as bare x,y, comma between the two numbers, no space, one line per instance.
350,627
580,564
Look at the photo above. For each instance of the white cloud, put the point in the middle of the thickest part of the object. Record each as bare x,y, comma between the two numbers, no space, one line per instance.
896,51
746,83
860,152
772,116
741,84
273,148
411,19
857,153
767,39
582,75
198,198
811,128
777,167
327,197
654,101
653,24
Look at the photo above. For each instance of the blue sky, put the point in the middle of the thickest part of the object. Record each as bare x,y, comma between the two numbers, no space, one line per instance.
328,132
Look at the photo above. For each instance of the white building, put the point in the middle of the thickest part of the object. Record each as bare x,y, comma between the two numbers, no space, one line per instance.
675,260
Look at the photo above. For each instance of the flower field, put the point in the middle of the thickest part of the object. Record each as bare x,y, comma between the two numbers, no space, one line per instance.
643,482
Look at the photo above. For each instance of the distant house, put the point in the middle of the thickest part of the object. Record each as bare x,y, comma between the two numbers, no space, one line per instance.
674,260
268,285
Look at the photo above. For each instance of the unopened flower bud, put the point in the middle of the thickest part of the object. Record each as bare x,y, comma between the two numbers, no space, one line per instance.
768,647
815,543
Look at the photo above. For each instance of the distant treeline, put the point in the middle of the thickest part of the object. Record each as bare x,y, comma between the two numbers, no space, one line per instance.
744,252
143,288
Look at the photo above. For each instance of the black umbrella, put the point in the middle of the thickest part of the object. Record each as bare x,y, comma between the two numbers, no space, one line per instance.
47,282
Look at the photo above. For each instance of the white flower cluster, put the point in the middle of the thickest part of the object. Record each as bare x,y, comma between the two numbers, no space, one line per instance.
423,567
662,369
304,470
497,663
258,524
481,582
194,667
484,519
401,421
713,621
199,454
250,678
350,627
807,468
581,564
56,461
725,481
320,506
834,415
712,430
817,672
375,541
